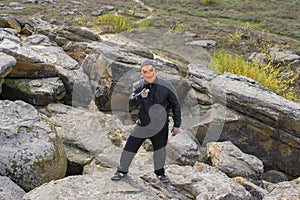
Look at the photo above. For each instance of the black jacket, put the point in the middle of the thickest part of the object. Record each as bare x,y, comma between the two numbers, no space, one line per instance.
161,92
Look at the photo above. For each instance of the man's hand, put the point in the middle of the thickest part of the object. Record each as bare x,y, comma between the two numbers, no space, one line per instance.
145,93
174,131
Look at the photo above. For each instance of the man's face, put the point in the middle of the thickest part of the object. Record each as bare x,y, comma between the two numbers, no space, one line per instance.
149,73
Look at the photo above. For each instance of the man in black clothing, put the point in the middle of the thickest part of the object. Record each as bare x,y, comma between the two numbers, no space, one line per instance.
153,97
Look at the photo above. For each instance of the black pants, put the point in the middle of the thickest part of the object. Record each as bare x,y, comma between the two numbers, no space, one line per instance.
159,142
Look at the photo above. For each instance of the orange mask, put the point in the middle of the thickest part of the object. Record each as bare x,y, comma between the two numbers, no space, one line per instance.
149,73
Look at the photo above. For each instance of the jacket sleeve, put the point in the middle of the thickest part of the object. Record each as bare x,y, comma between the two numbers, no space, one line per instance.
175,105
135,98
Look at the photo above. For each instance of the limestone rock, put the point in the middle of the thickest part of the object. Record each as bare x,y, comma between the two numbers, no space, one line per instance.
29,63
31,150
34,91
96,186
284,190
6,64
231,160
182,149
9,190
87,130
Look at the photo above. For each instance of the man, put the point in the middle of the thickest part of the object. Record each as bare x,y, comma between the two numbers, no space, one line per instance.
153,97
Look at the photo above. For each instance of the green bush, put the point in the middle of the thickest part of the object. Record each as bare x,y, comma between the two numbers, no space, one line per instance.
267,75
110,23
208,1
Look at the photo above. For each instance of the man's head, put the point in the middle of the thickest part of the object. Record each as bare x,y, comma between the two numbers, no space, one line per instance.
148,71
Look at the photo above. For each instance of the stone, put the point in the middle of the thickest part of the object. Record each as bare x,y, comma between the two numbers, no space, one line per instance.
9,190
232,161
6,64
31,150
38,92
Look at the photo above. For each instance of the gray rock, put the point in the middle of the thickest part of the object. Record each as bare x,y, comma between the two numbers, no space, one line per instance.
260,58
274,176
31,150
29,63
182,149
88,131
257,192
232,161
203,43
139,15
6,64
50,52
264,115
284,190
34,91
96,186
187,183
14,4
283,56
9,190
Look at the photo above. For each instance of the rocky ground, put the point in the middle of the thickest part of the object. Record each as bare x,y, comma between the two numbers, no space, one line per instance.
64,92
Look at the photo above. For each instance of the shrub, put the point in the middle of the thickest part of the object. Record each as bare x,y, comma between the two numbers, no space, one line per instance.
208,1
113,24
267,75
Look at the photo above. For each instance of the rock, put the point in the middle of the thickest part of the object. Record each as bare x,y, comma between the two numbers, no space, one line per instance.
284,190
29,63
78,87
139,15
96,186
34,91
50,52
88,131
263,124
6,64
257,192
102,11
231,160
189,184
31,150
284,56
202,43
62,35
9,190
182,149
260,58
274,176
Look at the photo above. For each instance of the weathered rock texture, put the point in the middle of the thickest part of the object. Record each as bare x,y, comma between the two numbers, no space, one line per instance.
258,121
31,151
9,190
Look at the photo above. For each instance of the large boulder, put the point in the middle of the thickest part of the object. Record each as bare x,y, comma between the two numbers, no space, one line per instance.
231,160
9,190
29,63
186,183
87,131
96,186
256,120
31,150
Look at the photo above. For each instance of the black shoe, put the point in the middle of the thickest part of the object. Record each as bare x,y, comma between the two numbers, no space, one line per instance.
118,176
163,178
